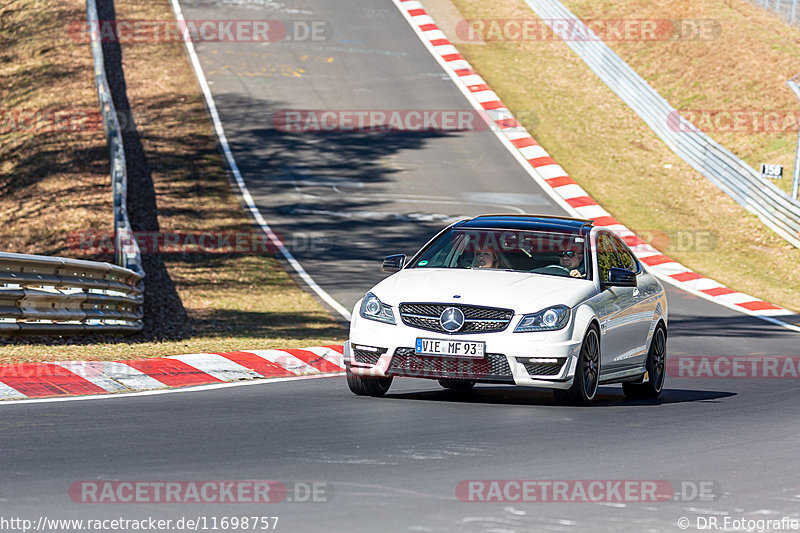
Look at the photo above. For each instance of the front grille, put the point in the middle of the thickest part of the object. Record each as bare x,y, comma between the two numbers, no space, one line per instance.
492,368
367,356
476,319
544,369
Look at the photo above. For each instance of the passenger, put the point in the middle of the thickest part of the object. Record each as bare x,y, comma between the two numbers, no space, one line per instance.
489,259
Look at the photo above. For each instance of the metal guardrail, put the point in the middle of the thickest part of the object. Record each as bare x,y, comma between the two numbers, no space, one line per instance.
127,249
52,295
732,175
788,10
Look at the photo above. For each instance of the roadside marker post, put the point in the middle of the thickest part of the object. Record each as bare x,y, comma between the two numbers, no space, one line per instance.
796,173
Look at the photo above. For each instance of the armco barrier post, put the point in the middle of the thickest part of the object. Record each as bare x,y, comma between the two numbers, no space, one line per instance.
796,174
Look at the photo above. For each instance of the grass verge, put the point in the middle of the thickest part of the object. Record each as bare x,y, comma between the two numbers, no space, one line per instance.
606,148
233,301
739,64
53,157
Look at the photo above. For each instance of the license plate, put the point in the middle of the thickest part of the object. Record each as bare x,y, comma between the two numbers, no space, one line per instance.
450,348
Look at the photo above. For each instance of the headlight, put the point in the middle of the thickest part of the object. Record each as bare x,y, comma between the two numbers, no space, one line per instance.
549,319
374,309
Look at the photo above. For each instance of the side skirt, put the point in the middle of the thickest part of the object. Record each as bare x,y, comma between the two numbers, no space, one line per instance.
621,376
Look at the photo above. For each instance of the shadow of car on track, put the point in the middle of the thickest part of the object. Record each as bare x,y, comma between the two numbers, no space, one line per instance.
606,396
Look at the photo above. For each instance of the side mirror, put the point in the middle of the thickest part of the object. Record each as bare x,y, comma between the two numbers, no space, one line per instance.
620,277
394,263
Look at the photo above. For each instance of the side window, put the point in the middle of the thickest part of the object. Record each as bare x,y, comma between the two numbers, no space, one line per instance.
606,256
626,256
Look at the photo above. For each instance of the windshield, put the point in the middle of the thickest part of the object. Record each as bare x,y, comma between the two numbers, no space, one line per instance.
554,254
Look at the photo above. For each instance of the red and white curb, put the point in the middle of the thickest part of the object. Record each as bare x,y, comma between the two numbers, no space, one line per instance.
556,182
69,378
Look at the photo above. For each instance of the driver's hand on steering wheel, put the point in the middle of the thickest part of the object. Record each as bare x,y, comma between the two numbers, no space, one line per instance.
575,273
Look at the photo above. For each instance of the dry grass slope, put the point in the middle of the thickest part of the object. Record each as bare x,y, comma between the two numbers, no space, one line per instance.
52,181
743,66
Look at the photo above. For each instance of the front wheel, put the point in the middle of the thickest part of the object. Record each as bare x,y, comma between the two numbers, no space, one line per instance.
656,364
587,374
368,385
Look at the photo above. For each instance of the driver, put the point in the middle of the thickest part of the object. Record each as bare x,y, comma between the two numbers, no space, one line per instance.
571,258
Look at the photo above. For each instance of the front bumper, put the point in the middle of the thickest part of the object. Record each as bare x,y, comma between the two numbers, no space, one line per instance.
382,350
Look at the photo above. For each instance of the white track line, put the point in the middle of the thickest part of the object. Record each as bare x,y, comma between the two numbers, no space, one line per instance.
237,175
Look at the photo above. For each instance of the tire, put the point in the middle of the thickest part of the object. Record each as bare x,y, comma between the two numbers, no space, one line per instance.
456,384
587,374
368,385
656,369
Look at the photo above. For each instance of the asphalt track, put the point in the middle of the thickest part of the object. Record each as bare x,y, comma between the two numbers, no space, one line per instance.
394,463
342,201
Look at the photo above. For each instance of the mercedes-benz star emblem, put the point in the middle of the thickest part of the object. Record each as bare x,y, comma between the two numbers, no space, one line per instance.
452,319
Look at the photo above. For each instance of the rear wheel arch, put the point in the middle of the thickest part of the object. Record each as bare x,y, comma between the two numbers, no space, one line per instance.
655,365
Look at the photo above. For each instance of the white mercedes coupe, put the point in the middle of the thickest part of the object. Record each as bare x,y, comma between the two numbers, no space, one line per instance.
529,300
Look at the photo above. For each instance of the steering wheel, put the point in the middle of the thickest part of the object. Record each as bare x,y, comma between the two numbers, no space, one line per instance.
551,269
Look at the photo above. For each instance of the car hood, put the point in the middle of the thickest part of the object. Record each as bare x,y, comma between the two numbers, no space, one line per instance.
523,292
